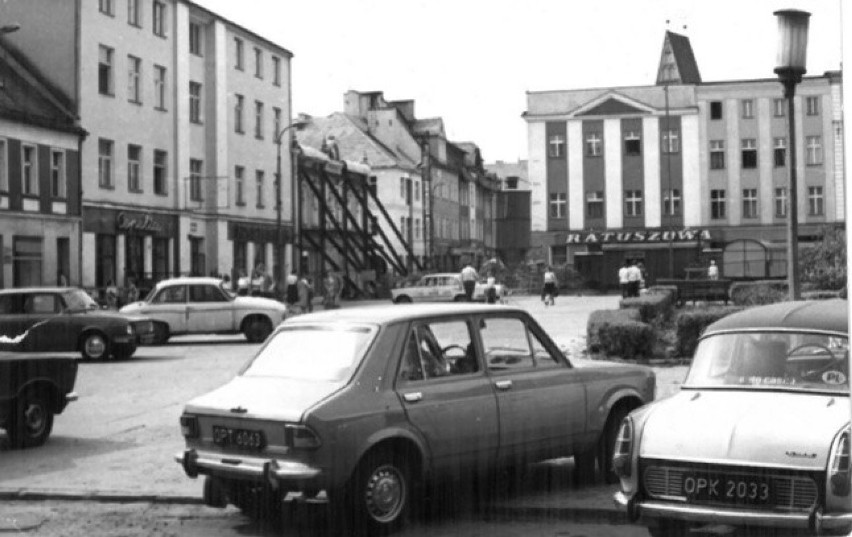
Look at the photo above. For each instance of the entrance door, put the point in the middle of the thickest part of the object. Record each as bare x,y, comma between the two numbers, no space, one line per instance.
197,260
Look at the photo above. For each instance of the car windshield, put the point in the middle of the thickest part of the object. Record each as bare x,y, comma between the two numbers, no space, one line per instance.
790,361
77,299
314,353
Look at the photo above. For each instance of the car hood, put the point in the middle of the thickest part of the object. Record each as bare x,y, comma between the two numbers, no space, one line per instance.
267,398
108,314
745,427
258,302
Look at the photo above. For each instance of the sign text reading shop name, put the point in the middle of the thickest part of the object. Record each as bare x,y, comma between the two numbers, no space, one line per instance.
682,235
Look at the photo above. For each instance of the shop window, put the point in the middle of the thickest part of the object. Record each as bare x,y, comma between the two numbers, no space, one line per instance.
26,261
134,257
160,259
104,259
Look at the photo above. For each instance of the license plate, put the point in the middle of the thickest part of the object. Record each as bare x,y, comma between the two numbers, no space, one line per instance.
240,438
741,490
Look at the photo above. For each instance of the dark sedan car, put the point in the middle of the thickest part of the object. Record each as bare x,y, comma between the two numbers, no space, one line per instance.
64,319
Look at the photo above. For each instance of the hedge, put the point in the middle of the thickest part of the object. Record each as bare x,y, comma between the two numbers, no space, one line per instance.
599,318
691,324
651,306
670,289
759,292
628,339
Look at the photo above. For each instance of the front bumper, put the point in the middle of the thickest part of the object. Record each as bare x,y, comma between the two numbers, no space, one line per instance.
814,521
280,475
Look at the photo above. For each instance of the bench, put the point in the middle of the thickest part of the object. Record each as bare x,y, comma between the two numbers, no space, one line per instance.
694,290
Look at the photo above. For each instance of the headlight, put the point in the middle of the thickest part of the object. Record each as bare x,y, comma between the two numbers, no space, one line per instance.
300,437
189,426
623,449
838,473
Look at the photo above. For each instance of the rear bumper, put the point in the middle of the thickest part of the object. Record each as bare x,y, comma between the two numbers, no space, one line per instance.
280,475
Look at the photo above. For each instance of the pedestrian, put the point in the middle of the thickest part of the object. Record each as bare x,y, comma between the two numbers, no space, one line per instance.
261,281
291,289
468,278
713,270
634,275
622,278
643,280
132,290
111,295
243,283
61,280
304,293
331,291
549,289
491,289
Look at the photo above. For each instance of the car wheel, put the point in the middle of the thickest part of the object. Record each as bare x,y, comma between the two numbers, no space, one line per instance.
124,354
161,333
94,346
403,299
607,443
31,420
257,329
379,496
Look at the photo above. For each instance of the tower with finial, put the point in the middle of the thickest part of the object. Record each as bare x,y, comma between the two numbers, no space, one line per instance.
677,62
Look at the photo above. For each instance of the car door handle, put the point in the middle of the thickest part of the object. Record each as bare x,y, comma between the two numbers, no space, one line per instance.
412,397
503,384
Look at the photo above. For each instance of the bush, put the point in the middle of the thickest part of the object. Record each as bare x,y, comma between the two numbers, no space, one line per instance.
628,339
758,293
691,324
600,318
651,306
824,264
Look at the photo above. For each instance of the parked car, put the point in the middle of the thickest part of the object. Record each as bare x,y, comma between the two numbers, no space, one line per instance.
442,287
368,403
66,319
199,305
34,387
758,435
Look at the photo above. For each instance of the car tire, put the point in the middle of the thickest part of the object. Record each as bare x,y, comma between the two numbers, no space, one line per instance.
257,329
161,333
124,354
378,498
403,299
31,420
607,443
94,346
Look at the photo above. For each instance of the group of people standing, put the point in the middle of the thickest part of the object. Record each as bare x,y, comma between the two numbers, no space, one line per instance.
631,278
469,277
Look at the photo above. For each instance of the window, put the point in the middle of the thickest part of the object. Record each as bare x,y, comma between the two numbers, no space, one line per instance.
632,144
276,122
781,202
779,152
239,179
26,261
159,25
671,202
134,156
717,154
134,72
812,106
815,201
438,349
195,38
258,176
506,344
558,205
105,82
813,150
416,190
238,114
160,172
133,13
105,163
715,109
258,62
29,170
195,179
595,204
160,86
594,145
402,188
556,146
57,174
779,107
718,204
239,60
4,170
749,153
671,141
416,228
748,108
195,102
258,120
750,203
633,203
106,7
276,70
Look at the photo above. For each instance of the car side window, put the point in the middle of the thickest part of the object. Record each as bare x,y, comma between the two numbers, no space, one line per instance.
410,368
205,293
542,356
9,304
505,343
175,294
41,303
438,349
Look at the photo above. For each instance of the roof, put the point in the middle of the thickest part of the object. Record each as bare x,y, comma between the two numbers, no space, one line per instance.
393,313
37,290
812,315
433,126
684,58
269,43
189,280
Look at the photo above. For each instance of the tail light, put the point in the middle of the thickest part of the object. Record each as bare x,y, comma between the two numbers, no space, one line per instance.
838,474
189,426
300,437
623,449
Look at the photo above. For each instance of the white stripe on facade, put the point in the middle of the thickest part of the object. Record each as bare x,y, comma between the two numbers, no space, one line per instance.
765,164
576,212
691,194
651,161
612,173
732,148
828,161
537,169
837,145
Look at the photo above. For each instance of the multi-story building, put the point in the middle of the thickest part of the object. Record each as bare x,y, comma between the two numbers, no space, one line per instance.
682,171
513,175
40,142
183,108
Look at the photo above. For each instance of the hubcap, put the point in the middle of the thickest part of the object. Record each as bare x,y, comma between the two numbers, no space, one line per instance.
95,346
385,494
34,418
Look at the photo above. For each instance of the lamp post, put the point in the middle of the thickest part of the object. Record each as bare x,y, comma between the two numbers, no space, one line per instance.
298,125
792,53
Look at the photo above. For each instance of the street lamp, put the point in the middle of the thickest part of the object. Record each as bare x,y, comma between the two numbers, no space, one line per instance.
298,125
792,53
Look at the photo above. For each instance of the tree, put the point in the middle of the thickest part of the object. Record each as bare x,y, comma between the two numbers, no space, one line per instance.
823,266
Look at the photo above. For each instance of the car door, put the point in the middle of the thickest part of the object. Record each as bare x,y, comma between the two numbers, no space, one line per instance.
447,396
12,321
209,310
49,329
541,400
169,306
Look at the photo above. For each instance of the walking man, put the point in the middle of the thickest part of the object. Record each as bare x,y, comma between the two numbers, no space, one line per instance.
622,278
468,278
634,275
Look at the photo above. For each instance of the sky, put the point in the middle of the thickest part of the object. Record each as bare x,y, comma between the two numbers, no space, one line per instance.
472,62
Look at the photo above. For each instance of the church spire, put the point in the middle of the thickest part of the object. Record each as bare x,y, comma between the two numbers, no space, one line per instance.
677,62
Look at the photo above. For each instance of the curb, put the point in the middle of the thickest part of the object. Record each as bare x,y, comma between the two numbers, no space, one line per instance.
25,494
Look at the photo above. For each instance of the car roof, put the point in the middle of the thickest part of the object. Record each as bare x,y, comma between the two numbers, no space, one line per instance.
385,314
184,280
813,315
442,274
37,290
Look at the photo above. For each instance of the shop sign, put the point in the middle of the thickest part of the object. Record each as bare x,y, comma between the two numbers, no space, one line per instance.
644,236
145,224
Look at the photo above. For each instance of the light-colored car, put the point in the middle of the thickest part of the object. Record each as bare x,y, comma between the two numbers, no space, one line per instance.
199,305
759,434
441,287
369,403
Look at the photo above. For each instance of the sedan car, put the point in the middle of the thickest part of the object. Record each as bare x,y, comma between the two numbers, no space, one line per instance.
64,319
759,434
443,287
369,403
197,305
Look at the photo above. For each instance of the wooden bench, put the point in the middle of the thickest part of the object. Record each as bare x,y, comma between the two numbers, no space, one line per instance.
694,290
